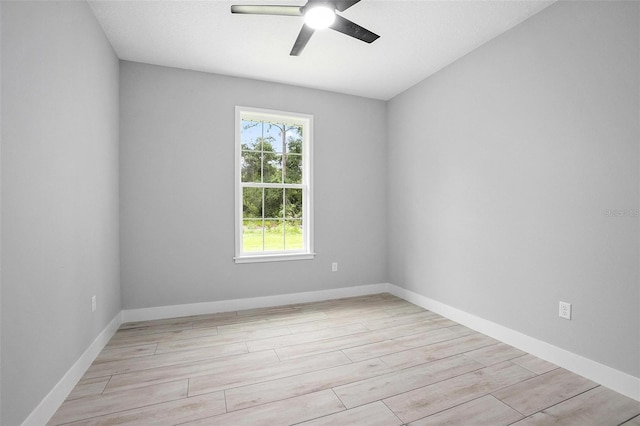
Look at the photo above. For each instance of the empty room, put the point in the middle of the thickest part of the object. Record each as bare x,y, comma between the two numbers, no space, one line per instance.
375,212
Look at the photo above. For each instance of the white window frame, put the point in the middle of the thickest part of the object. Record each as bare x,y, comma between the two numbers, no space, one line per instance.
306,121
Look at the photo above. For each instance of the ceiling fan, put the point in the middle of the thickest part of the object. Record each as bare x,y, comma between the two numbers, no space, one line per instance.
318,14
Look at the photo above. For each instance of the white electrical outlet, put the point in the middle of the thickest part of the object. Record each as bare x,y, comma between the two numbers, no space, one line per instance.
564,310
94,305
334,267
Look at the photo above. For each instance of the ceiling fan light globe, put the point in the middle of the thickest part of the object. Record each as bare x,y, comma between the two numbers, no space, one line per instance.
319,17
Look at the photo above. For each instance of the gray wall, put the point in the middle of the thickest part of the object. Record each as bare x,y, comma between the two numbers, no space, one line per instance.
59,195
177,188
502,168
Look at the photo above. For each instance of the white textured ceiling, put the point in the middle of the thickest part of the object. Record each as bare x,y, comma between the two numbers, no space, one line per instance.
417,38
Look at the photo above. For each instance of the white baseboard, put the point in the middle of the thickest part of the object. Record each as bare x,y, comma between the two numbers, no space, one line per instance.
50,404
174,311
616,380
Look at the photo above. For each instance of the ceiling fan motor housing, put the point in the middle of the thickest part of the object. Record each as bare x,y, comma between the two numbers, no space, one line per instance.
318,14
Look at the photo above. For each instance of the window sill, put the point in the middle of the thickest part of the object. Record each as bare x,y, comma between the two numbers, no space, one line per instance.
280,257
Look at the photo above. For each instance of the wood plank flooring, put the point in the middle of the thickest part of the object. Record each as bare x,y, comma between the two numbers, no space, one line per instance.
371,360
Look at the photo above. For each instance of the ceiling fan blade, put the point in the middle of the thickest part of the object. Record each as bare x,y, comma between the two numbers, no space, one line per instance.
303,38
354,30
267,10
342,5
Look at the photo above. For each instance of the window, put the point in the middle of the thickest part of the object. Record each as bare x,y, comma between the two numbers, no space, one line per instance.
273,186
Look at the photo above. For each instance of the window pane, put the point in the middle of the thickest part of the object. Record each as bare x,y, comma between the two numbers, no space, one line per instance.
274,131
293,235
273,168
293,170
294,141
252,235
252,203
250,131
293,203
274,235
273,201
251,166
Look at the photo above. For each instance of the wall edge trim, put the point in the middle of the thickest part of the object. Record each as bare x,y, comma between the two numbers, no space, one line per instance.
609,377
54,399
174,311
616,380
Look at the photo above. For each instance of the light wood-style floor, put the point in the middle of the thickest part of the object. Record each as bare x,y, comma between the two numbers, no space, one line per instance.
371,360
